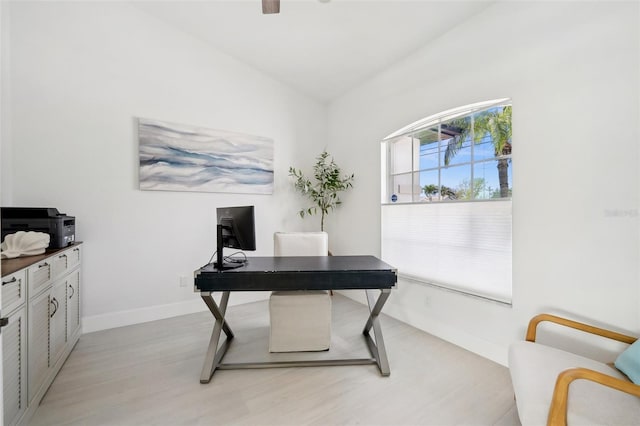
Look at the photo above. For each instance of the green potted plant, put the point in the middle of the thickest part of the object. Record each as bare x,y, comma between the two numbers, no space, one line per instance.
329,181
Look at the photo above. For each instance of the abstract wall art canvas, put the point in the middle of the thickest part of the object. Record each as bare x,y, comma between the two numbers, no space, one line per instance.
176,157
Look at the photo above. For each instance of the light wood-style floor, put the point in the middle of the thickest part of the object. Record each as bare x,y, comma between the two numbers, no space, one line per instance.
148,374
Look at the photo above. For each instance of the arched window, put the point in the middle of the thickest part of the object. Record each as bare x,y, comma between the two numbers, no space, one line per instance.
446,200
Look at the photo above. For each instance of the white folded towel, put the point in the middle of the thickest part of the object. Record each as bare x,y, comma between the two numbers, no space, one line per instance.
24,243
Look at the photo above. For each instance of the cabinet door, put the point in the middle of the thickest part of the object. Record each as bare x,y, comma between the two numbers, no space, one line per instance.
73,303
14,364
39,310
58,320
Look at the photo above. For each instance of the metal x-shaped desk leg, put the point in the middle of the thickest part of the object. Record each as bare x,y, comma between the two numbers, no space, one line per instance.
214,355
377,348
213,358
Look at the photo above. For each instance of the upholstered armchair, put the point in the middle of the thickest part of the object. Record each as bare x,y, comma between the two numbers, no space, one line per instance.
556,387
300,320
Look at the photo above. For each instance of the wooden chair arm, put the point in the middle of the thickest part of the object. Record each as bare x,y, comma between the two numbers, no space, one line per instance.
558,409
533,325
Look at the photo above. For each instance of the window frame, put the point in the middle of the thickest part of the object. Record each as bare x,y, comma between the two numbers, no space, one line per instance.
403,238
411,130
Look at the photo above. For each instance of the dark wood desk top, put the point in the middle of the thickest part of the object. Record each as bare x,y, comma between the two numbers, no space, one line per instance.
299,273
9,266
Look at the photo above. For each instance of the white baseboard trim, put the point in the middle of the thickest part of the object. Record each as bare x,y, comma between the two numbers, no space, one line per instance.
158,312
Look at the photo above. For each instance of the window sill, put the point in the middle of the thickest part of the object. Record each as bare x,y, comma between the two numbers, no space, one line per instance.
486,298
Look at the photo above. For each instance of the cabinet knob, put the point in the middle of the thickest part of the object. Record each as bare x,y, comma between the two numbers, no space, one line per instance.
4,322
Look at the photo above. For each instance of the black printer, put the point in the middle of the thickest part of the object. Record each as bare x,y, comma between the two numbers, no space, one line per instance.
60,227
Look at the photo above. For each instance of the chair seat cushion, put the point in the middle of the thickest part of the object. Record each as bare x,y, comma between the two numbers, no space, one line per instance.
534,369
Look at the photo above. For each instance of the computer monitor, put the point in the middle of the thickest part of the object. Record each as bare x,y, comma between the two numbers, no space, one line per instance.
235,229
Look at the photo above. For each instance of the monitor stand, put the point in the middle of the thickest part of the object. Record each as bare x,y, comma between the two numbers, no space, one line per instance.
220,265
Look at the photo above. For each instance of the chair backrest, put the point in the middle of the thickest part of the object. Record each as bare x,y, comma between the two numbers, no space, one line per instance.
300,244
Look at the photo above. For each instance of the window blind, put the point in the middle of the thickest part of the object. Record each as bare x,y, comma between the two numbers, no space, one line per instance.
464,246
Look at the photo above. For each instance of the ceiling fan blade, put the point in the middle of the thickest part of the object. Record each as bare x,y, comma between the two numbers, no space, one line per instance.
270,6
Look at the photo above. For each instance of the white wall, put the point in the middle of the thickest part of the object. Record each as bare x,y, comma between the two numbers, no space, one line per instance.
80,75
72,87
572,70
5,121
3,43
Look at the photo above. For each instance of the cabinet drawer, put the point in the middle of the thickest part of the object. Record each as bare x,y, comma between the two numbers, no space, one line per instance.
13,291
64,262
59,265
39,277
74,256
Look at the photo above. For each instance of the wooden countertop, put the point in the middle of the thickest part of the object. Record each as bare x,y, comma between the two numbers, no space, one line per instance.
9,266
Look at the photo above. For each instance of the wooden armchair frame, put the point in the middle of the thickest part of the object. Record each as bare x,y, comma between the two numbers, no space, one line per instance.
558,409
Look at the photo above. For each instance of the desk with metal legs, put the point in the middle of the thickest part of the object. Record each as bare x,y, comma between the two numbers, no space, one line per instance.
297,273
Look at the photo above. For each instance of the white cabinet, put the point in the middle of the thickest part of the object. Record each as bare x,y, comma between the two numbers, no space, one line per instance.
58,321
47,334
64,262
14,291
73,304
39,276
39,311
74,257
41,296
51,338
14,344
14,364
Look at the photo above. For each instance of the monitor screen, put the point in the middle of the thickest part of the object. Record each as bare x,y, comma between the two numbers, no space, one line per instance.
235,229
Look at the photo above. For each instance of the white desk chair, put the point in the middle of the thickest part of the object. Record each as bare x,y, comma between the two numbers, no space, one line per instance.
300,320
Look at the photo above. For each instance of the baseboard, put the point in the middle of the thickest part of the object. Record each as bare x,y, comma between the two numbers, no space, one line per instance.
158,312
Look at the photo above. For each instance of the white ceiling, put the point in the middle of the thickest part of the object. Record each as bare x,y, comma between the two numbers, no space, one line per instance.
317,47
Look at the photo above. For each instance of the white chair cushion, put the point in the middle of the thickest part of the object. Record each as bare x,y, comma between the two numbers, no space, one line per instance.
534,369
